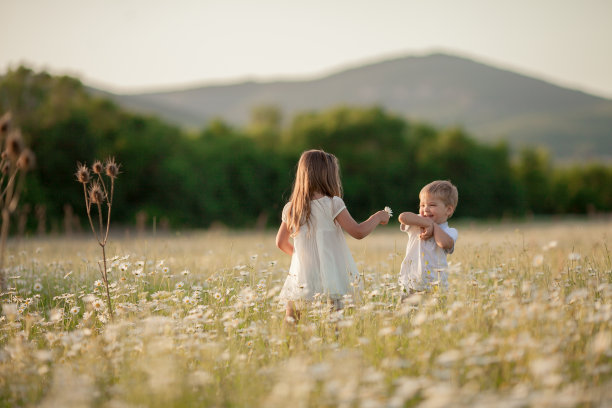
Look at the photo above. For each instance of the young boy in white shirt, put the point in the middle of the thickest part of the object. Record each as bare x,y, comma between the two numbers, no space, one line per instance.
430,238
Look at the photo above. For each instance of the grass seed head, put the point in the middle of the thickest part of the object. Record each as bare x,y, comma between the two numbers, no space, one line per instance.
82,173
6,166
97,167
112,168
96,194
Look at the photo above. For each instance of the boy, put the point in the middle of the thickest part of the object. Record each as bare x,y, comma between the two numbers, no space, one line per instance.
430,238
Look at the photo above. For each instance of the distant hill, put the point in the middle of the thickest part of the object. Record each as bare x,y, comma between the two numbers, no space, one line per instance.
489,102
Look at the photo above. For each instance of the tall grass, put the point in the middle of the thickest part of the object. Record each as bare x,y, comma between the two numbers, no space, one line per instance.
526,322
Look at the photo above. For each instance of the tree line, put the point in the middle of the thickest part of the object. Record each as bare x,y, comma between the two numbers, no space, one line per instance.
241,176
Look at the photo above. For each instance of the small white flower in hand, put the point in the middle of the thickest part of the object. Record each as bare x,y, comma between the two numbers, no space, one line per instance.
389,211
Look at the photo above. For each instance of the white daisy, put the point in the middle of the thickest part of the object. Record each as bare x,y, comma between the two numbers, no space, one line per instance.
97,304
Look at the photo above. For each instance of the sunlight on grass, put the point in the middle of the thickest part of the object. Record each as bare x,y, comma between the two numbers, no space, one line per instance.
526,322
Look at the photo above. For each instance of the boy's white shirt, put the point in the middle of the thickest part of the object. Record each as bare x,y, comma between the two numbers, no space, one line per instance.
425,262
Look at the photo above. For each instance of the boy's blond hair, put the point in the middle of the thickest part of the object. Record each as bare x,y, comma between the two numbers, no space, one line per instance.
444,190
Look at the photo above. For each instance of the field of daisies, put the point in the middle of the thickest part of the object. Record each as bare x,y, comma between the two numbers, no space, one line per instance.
526,322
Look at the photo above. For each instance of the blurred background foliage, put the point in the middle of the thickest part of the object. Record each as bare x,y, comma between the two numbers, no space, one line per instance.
241,177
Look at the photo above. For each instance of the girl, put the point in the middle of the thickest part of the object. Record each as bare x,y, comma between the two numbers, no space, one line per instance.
321,262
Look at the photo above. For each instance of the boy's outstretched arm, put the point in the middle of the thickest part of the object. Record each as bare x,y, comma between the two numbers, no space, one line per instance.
282,239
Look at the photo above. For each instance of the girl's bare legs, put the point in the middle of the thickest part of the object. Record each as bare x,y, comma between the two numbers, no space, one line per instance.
291,314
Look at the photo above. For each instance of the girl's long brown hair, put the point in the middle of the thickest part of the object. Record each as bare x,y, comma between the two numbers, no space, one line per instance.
317,172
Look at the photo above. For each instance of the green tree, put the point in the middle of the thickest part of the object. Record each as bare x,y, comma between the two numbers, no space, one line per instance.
533,171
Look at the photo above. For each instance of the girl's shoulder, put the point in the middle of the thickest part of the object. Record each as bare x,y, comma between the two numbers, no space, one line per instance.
337,205
285,213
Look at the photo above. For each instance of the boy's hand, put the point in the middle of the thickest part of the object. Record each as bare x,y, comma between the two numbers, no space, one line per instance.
427,232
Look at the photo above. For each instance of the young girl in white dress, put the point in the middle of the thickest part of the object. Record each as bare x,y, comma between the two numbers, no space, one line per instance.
321,262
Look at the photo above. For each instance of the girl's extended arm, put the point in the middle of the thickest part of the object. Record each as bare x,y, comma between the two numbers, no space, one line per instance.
282,239
362,230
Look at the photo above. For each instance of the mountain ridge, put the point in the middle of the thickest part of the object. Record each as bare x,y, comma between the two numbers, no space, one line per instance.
445,90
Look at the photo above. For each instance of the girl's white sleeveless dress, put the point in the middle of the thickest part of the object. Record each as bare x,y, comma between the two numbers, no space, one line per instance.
322,262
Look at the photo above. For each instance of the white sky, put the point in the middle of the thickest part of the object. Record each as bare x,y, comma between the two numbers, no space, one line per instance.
137,45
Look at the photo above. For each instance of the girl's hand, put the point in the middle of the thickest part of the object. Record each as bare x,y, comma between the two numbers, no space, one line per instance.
383,217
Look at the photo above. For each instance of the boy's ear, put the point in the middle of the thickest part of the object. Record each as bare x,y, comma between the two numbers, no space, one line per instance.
450,210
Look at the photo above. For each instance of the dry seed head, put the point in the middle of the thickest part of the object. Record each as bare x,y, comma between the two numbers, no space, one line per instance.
97,167
6,166
82,173
26,160
5,123
14,144
96,194
112,168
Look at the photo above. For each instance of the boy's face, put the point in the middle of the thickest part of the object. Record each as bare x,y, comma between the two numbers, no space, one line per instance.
434,208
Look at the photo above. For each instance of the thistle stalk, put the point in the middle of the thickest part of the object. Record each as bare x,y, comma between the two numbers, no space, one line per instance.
98,195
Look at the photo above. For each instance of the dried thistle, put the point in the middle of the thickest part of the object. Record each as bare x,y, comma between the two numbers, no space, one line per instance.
5,122
14,144
112,168
97,167
96,194
14,163
82,174
26,160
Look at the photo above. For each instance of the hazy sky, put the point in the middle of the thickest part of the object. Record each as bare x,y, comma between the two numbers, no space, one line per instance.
136,45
